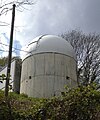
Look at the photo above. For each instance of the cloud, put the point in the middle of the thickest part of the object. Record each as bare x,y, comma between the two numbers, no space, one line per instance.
17,47
4,40
56,17
92,15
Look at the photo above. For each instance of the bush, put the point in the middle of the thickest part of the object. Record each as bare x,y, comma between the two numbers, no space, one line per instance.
82,103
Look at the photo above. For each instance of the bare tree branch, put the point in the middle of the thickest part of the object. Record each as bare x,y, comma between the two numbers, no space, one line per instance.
87,48
7,6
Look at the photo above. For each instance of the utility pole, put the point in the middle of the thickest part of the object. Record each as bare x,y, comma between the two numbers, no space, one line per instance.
10,52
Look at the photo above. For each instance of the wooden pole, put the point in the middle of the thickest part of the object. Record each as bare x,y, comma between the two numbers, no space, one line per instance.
10,52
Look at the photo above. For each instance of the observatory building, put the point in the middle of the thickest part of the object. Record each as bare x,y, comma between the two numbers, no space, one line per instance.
48,66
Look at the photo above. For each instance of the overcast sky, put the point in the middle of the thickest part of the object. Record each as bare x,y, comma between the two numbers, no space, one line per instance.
53,17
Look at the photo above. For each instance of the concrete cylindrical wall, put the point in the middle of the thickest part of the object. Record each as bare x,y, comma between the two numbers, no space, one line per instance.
46,74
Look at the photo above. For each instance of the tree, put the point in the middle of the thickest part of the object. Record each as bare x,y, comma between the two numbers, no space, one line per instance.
87,49
6,6
3,61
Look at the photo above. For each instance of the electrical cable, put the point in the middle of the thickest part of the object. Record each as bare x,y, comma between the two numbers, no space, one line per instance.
14,48
3,50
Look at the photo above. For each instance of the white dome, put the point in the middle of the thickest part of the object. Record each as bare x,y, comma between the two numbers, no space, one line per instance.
49,43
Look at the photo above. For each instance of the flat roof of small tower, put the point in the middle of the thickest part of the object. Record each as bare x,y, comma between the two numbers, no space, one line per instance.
49,43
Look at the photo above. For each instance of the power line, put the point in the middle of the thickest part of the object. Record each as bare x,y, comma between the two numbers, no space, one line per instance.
14,48
21,50
17,48
4,44
3,50
4,23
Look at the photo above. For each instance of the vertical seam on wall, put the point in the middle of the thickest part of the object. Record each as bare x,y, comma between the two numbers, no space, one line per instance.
34,66
54,76
44,64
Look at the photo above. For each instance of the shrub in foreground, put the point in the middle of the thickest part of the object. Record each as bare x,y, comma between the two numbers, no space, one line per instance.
82,103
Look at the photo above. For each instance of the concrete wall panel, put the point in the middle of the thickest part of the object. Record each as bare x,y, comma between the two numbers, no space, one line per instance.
49,72
59,65
15,75
39,62
49,64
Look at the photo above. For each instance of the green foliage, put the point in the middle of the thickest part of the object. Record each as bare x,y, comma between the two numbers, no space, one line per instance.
2,78
3,61
82,103
22,106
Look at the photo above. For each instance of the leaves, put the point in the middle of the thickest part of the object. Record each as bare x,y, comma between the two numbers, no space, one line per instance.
3,61
2,78
82,103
